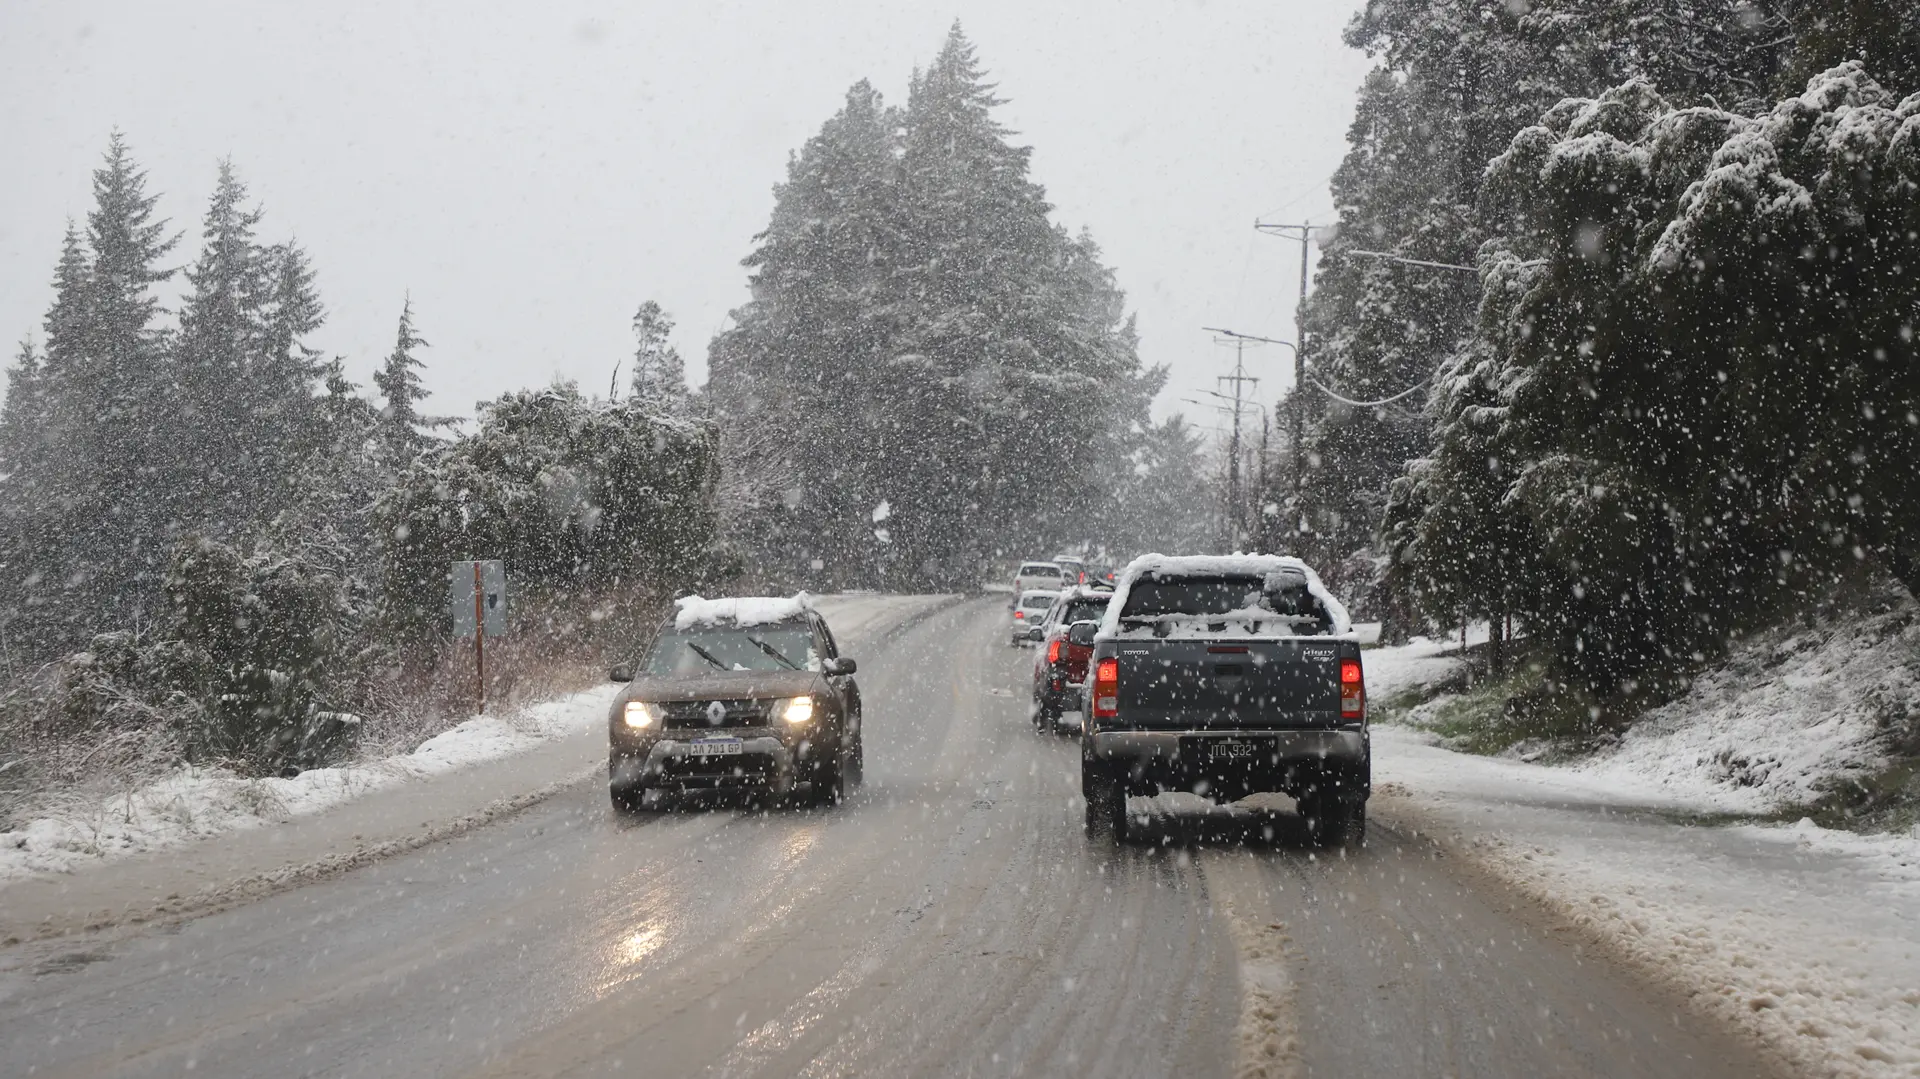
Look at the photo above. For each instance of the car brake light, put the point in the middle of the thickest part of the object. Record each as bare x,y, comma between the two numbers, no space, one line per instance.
1353,691
1106,689
1053,651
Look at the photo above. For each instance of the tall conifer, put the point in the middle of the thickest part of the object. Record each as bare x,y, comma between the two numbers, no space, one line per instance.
402,425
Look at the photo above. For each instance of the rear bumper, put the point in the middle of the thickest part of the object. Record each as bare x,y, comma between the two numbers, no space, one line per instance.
1291,761
1064,699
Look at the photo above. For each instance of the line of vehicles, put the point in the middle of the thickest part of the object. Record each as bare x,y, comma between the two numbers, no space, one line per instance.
1218,676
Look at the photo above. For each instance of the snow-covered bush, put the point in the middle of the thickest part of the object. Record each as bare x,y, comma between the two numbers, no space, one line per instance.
257,661
1693,400
574,494
124,680
273,643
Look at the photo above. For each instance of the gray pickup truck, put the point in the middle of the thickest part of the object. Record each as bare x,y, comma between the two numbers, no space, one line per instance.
1226,676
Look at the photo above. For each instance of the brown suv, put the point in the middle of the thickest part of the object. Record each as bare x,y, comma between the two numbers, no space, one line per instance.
737,694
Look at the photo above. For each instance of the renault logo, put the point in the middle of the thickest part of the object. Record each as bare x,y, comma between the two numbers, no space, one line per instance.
716,713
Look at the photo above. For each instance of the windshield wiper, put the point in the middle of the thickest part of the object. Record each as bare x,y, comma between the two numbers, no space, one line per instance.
772,651
708,656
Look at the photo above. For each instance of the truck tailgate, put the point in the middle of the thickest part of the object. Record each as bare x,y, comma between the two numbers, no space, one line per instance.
1293,682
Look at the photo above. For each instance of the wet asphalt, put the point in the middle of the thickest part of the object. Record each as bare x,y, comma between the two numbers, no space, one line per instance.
951,919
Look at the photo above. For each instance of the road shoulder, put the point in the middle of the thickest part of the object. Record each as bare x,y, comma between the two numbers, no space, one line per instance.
1723,918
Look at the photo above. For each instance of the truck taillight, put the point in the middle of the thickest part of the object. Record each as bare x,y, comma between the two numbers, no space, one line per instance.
1053,651
1353,691
1106,689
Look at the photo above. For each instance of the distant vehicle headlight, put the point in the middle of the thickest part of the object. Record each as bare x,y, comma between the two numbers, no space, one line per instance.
640,714
797,710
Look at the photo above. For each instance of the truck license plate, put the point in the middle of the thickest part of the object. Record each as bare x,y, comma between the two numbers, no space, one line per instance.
1233,751
714,747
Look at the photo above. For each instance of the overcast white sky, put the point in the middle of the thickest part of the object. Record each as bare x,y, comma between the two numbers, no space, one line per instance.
532,171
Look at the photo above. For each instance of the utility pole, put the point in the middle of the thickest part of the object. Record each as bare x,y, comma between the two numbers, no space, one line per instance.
1236,522
1240,340
1296,419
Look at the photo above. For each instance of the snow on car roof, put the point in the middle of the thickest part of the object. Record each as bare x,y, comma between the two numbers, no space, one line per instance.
1031,594
739,610
1234,565
1025,566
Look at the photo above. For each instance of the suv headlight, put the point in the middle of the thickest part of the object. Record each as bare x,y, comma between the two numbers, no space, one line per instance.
641,714
797,710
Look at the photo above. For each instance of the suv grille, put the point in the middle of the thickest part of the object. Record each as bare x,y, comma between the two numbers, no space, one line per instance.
735,713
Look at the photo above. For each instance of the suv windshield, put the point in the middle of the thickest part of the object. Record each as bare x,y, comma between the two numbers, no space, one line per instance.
705,649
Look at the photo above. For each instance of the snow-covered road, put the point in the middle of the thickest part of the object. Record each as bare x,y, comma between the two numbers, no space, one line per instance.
952,919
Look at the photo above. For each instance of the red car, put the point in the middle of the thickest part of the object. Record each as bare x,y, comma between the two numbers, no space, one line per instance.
1060,666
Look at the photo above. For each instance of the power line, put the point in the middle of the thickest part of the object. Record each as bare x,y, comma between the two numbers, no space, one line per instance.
1370,404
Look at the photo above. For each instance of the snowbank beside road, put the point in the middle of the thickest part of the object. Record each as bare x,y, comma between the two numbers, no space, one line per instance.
1395,670
194,803
1807,939
1785,714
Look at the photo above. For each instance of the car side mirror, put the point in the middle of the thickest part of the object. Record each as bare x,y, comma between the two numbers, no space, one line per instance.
1035,633
620,674
840,665
1082,632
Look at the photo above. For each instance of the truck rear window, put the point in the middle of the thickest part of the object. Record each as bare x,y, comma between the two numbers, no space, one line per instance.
1084,610
1153,596
1161,600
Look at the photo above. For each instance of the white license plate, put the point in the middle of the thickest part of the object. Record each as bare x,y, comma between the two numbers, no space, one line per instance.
729,747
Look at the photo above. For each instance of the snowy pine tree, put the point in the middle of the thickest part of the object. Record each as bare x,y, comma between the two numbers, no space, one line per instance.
112,396
659,375
213,362
930,346
402,425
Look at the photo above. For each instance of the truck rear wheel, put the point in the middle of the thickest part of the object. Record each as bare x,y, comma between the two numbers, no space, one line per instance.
1339,823
1106,803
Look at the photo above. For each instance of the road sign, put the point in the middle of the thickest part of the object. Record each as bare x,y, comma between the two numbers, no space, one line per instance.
489,583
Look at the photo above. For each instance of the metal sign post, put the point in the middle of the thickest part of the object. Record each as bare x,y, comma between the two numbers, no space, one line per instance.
479,599
479,644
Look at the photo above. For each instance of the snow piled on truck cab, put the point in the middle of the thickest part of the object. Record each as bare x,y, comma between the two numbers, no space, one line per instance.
739,610
1256,618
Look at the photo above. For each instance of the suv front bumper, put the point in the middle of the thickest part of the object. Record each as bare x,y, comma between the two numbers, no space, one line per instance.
764,762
